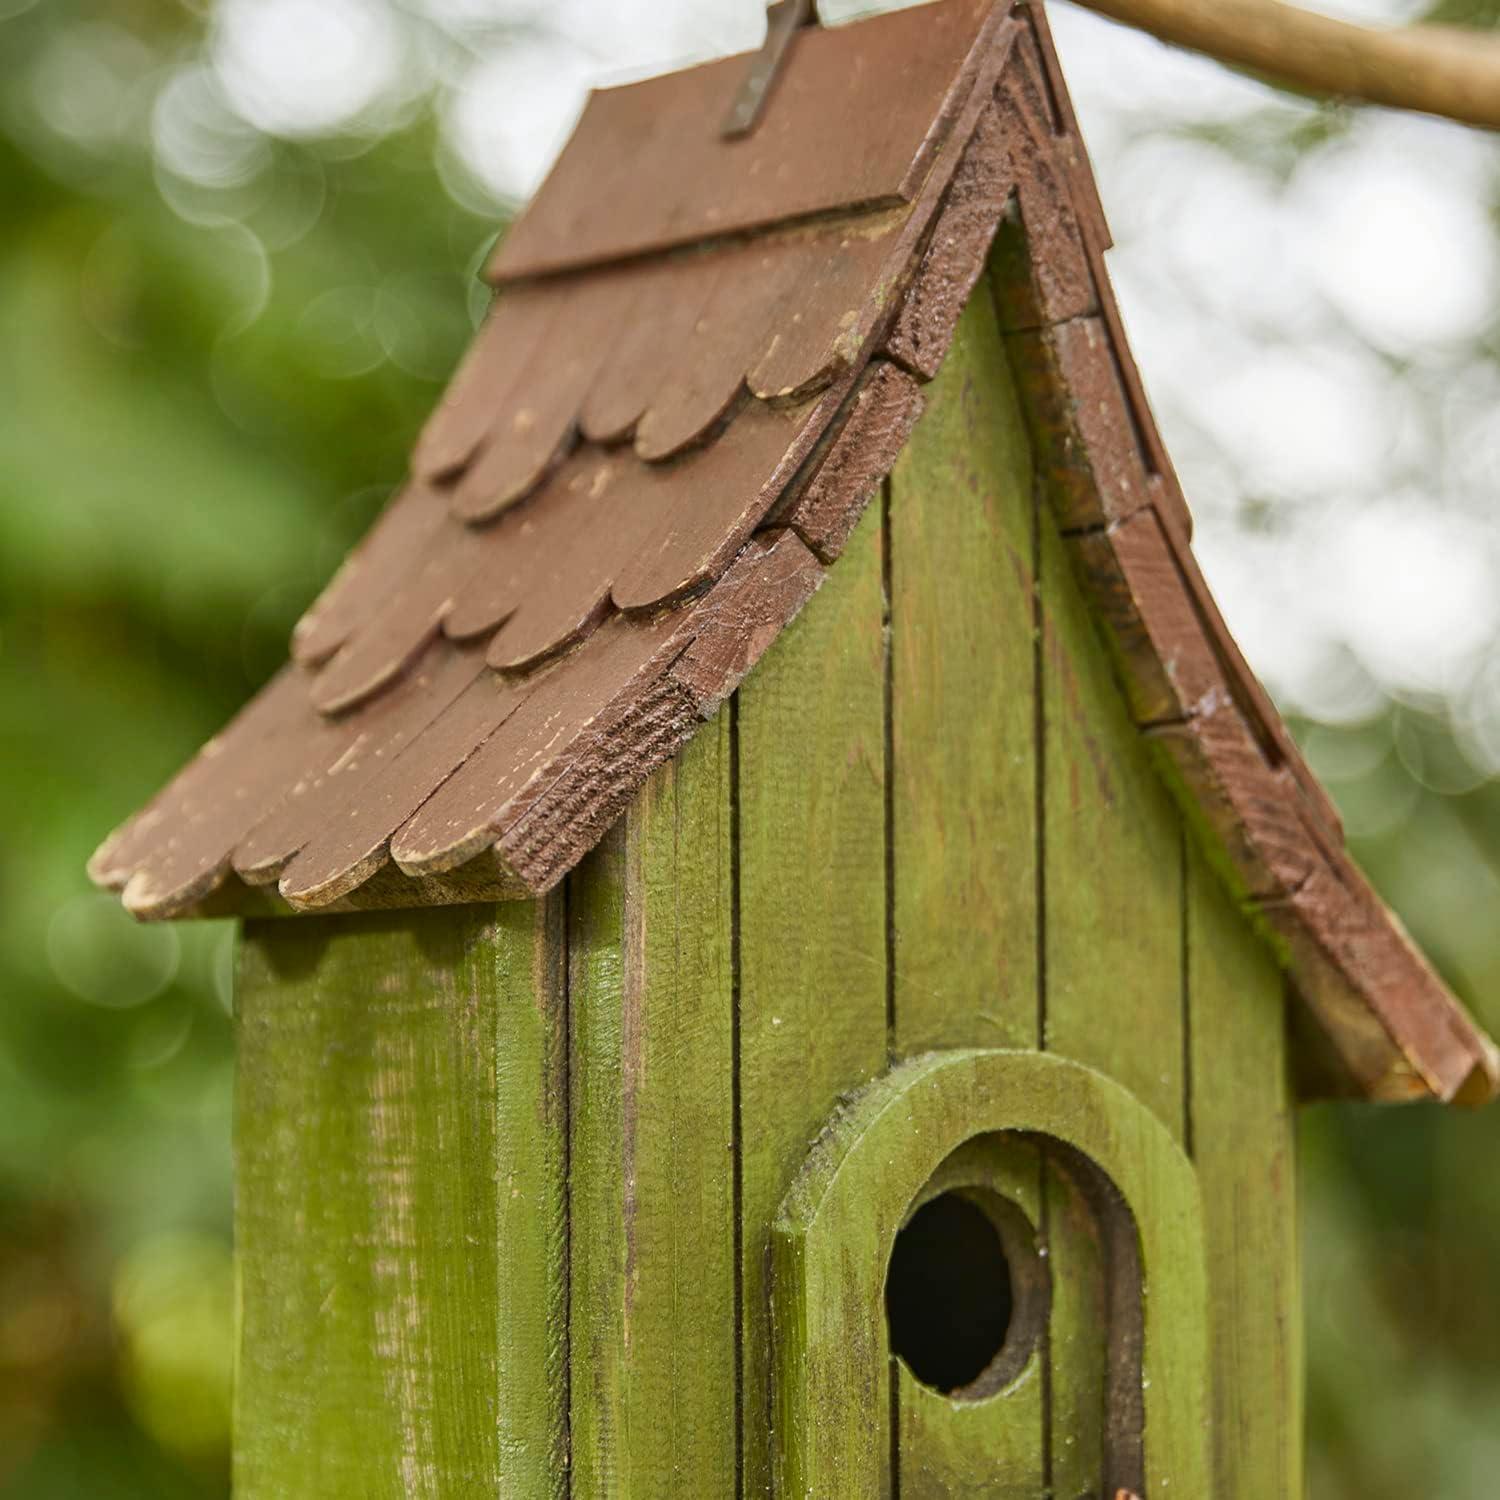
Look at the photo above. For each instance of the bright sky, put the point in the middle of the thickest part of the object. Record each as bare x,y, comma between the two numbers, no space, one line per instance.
1307,324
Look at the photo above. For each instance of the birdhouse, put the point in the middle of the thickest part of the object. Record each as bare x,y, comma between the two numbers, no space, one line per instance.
782,942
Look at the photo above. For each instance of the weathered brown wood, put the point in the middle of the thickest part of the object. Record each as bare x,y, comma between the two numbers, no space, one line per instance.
599,781
176,849
961,239
856,458
1255,703
342,854
1167,664
1047,273
788,314
530,560
652,1241
840,278
718,503
1076,409
537,420
564,765
812,949
1261,841
376,566
1338,936
354,755
496,364
389,643
648,169
763,595
673,292
796,309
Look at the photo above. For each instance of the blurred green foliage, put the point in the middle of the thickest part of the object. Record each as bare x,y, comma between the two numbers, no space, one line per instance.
198,415
206,391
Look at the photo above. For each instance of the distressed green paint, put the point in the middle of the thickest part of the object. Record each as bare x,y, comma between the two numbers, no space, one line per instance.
1113,853
1245,1147
833,1236
963,822
963,709
1076,1348
399,1152
652,1204
812,1014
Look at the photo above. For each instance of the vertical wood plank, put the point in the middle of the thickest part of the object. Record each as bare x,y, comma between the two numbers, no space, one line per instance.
1110,934
964,815
811,789
1112,960
384,1263
1114,879
963,709
531,1167
1245,1147
653,1322
1077,1349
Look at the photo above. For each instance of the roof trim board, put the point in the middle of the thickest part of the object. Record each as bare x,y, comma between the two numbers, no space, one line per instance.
480,749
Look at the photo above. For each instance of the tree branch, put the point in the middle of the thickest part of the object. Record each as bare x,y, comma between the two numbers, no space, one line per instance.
1440,70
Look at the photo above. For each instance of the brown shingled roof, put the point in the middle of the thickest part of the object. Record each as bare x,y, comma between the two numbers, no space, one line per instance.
706,356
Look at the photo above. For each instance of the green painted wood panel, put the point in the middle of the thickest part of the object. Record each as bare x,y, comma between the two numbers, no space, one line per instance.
653,1327
963,819
810,726
1245,1147
963,709
1113,859
399,1152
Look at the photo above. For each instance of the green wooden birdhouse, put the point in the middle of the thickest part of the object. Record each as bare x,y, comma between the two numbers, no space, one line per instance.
782,941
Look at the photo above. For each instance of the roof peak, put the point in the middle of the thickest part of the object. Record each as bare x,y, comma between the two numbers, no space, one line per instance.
649,167
643,469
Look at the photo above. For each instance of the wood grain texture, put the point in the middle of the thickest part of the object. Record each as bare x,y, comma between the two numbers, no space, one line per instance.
812,1002
849,471
1164,656
955,257
647,168
1075,405
1244,1145
964,811
1051,262
1113,864
963,710
399,1147
653,1336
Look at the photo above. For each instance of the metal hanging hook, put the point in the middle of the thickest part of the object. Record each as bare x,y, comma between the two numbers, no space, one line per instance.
783,20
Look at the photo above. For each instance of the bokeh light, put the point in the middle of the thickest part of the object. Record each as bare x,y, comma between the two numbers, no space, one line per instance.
106,959
174,1309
